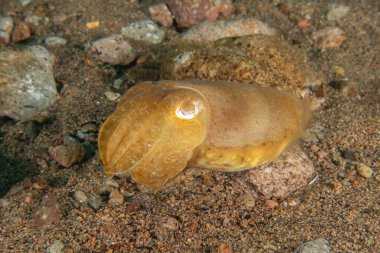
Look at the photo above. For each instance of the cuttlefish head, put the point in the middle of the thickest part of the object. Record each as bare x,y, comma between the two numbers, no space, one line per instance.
153,132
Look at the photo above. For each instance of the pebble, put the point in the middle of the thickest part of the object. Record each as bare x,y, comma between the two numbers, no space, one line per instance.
115,198
144,30
271,203
92,25
21,32
114,50
346,88
291,171
80,197
94,201
169,222
27,82
329,37
160,14
189,13
212,31
292,203
248,201
87,130
68,154
6,27
112,183
225,248
49,211
55,41
337,12
364,171
318,246
4,202
112,96
56,247
24,2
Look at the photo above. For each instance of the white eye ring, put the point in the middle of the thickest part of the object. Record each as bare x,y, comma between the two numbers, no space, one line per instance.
184,114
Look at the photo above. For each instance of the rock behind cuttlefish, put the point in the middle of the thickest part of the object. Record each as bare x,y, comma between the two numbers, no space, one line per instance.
158,129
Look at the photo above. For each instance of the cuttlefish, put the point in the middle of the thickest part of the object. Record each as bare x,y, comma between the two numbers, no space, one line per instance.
160,128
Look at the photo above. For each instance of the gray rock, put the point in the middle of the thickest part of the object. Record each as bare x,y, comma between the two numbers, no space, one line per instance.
95,202
56,247
337,12
145,30
55,41
80,197
114,50
277,179
212,31
24,2
27,85
6,27
318,246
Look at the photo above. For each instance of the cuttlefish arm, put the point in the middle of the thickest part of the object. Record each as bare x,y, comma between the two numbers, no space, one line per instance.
160,128
152,134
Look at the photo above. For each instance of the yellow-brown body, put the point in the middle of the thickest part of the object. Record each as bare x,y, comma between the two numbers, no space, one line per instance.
160,128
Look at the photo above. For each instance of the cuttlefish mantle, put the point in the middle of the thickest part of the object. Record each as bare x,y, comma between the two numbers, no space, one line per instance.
160,128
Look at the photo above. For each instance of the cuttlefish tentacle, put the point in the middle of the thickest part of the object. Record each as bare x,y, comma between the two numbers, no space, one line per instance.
160,128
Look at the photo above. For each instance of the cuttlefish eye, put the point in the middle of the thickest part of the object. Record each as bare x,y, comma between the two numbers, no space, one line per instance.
188,110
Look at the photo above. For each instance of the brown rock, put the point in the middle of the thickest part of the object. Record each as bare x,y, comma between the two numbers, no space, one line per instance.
271,203
225,248
133,206
191,12
291,171
161,15
329,37
114,50
21,32
116,198
365,171
49,212
68,154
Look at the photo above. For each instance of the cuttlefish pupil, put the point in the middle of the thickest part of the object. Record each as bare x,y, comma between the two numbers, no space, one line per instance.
158,129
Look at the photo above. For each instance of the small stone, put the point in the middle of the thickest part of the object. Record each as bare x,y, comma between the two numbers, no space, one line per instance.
68,154
55,41
364,171
345,87
21,32
248,201
56,247
24,2
33,20
271,203
6,27
337,12
160,14
80,197
225,248
189,13
92,25
317,246
112,183
212,31
292,203
133,206
87,130
112,96
145,30
4,202
95,202
115,198
169,222
377,178
114,50
49,212
339,70
27,82
304,23
118,83
192,227
329,37
30,197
